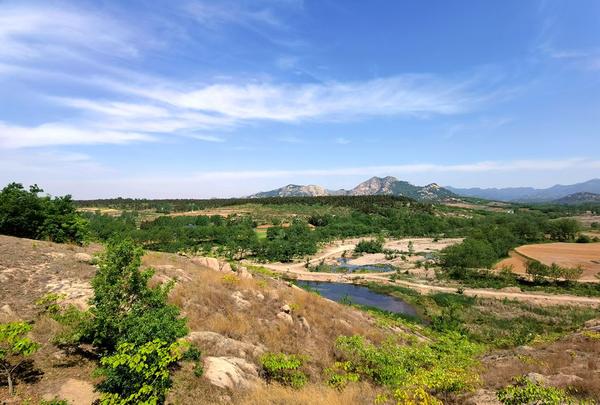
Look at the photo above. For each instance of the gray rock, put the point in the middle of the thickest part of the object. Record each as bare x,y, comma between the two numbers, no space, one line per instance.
230,372
287,318
240,301
84,258
222,345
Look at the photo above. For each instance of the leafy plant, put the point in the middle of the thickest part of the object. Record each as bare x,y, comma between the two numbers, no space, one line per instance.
124,308
284,369
524,392
138,374
447,365
15,347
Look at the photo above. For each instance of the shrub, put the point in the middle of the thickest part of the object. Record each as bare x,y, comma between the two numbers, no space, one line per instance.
447,365
138,374
583,239
124,308
284,369
525,392
15,347
369,246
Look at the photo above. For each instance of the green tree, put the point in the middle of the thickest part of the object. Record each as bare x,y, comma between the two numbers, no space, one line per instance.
563,229
471,253
124,308
25,214
138,374
21,211
15,347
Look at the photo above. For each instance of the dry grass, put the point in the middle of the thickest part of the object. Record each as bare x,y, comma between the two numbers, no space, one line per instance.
355,394
576,355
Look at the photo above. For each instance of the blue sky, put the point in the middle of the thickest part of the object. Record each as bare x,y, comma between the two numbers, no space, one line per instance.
208,99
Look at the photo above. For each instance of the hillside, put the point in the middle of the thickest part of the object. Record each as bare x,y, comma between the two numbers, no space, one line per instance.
374,186
529,194
579,198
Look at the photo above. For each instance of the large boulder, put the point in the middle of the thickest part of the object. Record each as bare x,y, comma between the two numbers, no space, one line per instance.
230,372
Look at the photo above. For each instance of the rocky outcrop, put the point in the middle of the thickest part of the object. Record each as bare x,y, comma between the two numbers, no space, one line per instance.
230,372
84,258
222,345
240,301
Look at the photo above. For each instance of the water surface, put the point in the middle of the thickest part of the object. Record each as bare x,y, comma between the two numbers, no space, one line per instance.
360,295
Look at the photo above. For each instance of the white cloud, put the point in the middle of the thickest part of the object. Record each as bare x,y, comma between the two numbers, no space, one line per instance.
42,31
12,137
342,141
476,167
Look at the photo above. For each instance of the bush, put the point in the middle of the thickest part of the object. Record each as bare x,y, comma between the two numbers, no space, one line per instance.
447,365
124,308
284,369
525,392
15,347
369,246
138,374
583,239
470,254
540,271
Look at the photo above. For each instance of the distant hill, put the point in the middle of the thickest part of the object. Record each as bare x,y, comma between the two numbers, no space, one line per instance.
529,194
374,186
579,198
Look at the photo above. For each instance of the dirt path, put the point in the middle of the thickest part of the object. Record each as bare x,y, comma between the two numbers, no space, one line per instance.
298,271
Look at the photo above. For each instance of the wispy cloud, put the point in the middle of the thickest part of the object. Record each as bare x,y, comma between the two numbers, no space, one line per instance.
51,134
476,167
41,31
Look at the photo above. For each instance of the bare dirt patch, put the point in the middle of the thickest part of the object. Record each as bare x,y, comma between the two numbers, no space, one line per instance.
586,255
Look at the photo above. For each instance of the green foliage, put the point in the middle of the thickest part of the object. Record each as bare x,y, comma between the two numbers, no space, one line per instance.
490,322
540,271
25,214
525,392
340,374
15,346
138,374
563,230
54,401
284,369
124,307
49,303
444,366
471,253
369,246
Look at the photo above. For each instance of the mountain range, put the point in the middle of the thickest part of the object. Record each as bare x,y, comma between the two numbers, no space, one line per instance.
530,194
374,186
588,191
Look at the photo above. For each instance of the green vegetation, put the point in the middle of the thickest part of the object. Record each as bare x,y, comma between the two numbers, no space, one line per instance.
540,271
525,392
138,374
286,369
124,308
443,367
370,246
130,325
25,214
494,323
15,347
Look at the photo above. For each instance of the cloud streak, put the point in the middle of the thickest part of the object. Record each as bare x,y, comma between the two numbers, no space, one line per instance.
476,167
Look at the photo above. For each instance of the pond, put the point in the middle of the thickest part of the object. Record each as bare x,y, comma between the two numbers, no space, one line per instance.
360,295
344,267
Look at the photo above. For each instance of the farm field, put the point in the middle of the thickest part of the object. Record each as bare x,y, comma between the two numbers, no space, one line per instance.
586,255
